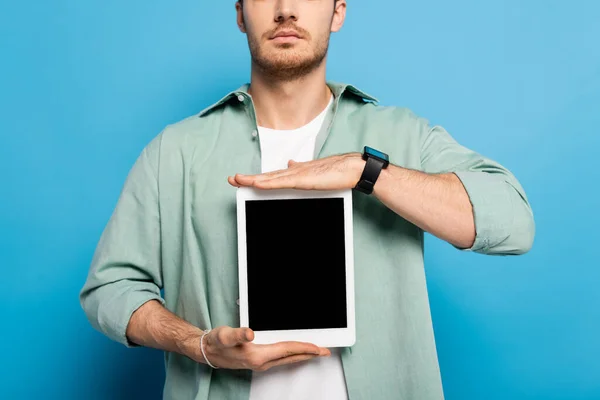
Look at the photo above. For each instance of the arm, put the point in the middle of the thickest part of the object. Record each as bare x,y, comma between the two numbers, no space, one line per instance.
460,196
501,212
126,271
152,325
437,204
121,296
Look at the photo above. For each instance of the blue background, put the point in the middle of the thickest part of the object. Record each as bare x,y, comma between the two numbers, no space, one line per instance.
84,85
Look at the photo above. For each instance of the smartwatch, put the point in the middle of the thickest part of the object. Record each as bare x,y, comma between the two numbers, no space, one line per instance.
376,161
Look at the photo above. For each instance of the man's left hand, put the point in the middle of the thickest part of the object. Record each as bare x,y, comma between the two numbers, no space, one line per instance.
329,173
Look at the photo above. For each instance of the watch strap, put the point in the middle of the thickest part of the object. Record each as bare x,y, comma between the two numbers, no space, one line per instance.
369,175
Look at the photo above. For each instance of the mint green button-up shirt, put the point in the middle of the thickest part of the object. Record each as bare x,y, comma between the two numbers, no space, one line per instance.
174,228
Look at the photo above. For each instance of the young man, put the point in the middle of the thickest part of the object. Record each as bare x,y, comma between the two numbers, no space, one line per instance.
174,227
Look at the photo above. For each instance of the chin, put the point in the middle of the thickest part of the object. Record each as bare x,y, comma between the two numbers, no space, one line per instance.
285,57
285,61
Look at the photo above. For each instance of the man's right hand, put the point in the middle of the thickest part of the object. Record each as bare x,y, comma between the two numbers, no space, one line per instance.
232,348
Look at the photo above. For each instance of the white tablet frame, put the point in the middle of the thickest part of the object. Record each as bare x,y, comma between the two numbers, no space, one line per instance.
335,337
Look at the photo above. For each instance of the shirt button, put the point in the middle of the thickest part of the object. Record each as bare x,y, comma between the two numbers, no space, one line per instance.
241,98
238,302
254,133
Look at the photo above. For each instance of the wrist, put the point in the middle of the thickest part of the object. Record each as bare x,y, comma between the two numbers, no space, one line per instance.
382,181
374,162
356,166
190,346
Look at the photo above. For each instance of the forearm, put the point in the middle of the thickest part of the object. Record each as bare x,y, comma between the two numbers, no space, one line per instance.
152,325
437,203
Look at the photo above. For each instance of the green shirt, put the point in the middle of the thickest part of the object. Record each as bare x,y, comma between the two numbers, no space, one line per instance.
174,228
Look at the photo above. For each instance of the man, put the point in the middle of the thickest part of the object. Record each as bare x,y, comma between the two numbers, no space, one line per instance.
174,227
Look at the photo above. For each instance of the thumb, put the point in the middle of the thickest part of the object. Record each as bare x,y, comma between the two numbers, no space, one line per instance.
246,336
230,337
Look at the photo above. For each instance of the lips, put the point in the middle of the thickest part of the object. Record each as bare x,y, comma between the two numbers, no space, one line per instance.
286,33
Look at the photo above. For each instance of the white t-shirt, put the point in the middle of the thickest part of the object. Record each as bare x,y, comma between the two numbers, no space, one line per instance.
321,378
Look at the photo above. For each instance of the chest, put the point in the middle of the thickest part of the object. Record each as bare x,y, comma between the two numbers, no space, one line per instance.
278,147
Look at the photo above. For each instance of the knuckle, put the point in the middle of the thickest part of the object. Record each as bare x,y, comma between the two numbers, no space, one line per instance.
221,336
255,363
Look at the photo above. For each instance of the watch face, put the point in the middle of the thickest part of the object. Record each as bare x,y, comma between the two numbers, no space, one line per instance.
376,153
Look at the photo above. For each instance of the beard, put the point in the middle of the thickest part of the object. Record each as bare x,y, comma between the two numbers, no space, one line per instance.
288,62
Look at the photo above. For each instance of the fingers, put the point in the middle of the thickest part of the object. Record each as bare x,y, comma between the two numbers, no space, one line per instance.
287,360
251,180
287,349
232,348
325,352
280,182
292,352
249,334
232,181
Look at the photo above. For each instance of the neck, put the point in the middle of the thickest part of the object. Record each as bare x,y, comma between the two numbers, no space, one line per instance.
289,104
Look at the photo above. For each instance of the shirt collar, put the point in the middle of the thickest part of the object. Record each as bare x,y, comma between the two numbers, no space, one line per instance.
241,94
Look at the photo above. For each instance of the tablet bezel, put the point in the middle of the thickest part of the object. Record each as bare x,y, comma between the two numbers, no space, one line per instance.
334,337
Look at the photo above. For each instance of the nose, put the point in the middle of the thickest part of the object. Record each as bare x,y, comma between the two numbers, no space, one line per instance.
286,9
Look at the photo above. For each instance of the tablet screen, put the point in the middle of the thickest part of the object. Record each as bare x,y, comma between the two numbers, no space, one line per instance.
296,265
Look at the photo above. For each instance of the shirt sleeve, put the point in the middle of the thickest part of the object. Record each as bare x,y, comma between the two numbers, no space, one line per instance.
126,271
504,220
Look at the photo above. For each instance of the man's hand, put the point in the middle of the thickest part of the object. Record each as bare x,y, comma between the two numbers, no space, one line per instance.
152,325
231,348
330,173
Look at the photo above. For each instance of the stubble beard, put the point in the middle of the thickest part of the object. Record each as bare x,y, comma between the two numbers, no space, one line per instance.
284,63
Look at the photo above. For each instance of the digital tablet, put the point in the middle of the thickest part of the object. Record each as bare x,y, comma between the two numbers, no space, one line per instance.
296,265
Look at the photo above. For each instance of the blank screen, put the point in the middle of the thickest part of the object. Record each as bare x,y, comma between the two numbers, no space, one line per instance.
296,264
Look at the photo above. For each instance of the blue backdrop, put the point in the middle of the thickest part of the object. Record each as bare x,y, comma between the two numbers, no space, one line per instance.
84,85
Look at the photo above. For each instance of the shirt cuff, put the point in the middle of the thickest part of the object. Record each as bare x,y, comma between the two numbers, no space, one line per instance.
491,204
118,311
